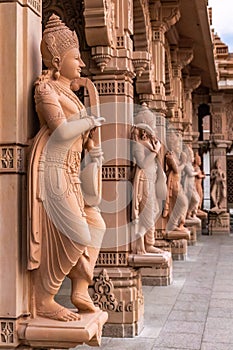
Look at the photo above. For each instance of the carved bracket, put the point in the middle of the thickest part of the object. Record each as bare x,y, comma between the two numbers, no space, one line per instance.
101,55
192,82
185,56
99,22
140,61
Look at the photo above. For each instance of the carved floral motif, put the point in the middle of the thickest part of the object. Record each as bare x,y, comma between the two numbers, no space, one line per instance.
7,332
104,296
11,158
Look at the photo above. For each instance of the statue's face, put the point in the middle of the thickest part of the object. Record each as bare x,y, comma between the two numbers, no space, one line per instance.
71,64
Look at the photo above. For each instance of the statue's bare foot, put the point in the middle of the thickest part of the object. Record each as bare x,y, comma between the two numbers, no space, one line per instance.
152,249
140,251
139,246
83,302
57,312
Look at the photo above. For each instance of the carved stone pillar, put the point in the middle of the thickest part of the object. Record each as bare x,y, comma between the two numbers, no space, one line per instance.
190,84
218,222
181,57
20,31
123,299
218,144
163,16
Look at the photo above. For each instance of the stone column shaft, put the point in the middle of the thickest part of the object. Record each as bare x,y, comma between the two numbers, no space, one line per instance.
20,32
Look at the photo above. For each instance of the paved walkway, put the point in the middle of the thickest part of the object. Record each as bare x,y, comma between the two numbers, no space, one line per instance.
196,311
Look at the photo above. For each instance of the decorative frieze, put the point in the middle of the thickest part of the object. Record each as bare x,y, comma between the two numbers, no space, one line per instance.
111,87
11,159
115,173
112,259
35,5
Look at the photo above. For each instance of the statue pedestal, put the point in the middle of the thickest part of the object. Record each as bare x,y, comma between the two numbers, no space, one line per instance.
46,333
179,249
118,290
158,270
193,225
219,222
193,235
178,240
203,216
176,245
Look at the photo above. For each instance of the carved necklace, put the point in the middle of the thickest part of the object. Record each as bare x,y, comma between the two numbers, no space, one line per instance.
61,88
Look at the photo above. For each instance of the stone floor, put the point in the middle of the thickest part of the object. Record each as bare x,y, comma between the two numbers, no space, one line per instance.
196,311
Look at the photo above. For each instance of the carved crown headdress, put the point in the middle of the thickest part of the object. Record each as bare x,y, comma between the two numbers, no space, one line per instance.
145,116
58,38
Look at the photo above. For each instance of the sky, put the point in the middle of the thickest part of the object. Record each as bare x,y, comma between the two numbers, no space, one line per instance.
222,20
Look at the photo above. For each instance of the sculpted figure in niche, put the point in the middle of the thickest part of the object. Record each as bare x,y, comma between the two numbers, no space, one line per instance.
188,181
198,181
176,204
149,185
218,186
66,227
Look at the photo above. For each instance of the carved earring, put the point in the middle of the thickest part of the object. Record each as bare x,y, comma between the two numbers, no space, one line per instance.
56,75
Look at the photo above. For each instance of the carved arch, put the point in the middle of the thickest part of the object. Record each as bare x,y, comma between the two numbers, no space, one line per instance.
142,26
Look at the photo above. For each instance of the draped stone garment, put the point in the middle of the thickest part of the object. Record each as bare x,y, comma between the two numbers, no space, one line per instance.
176,202
149,189
60,226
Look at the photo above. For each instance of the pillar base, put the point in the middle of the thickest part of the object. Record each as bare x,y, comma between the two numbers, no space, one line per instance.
204,222
114,330
158,274
193,227
179,249
219,222
119,292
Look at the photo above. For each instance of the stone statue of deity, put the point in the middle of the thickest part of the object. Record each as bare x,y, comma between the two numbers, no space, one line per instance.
200,175
149,184
218,186
188,182
65,225
176,204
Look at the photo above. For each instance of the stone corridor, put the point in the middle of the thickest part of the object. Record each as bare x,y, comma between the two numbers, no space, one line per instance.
196,311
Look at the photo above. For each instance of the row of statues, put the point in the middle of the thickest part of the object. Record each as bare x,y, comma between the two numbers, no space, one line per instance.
178,196
65,225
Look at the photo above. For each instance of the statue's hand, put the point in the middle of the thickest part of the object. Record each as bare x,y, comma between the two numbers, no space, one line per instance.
96,154
158,146
75,84
97,121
